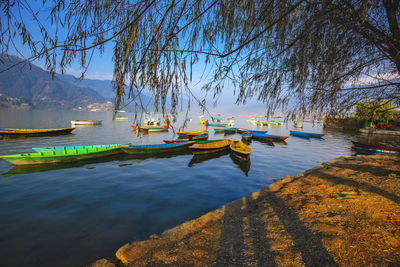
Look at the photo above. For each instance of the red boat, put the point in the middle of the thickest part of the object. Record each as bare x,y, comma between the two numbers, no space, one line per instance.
378,147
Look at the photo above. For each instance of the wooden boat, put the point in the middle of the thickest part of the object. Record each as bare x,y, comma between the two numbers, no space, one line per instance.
219,130
247,136
213,147
196,141
199,137
191,133
372,150
12,132
154,129
268,137
155,149
231,130
216,124
61,156
306,134
239,149
379,147
85,122
60,148
120,118
241,130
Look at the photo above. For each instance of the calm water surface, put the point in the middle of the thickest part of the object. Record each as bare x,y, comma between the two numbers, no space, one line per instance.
71,215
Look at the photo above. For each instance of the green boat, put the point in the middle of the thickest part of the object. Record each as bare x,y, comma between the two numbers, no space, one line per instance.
231,130
59,148
156,149
59,156
216,124
186,140
219,130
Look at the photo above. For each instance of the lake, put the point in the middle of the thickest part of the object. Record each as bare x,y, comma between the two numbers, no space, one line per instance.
74,214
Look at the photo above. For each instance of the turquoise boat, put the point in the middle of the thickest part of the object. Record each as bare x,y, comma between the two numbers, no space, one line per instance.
61,156
241,130
216,124
156,149
306,134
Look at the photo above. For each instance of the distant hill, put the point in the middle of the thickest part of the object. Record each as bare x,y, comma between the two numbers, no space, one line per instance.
34,87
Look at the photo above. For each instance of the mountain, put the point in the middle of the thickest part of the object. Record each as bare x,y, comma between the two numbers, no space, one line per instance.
29,85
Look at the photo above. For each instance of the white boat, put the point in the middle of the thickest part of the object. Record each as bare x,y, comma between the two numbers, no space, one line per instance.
298,124
85,122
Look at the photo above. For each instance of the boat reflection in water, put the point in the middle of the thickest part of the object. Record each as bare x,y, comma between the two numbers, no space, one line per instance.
243,164
198,158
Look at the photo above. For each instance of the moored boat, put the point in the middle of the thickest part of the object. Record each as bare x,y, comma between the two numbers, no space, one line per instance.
196,141
155,149
191,133
297,124
219,130
85,122
12,132
239,149
376,146
213,147
62,156
60,148
306,134
247,136
200,137
216,124
268,137
154,129
241,130
372,150
230,130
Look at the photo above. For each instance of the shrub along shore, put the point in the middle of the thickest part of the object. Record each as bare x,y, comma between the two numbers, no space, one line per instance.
345,212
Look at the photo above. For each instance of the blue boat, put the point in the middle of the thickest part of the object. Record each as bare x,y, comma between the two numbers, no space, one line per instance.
306,134
268,137
200,137
156,149
61,148
247,136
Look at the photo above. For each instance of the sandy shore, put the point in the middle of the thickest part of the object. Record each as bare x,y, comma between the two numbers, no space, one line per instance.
345,212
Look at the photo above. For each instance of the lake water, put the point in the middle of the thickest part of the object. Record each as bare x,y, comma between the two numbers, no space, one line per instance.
74,214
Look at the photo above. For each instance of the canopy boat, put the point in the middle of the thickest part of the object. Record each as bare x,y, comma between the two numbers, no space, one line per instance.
119,117
378,147
231,123
268,137
231,130
306,134
200,137
216,119
247,136
203,120
60,148
216,124
155,149
262,123
239,149
253,120
61,156
275,122
85,122
241,130
191,133
12,132
213,147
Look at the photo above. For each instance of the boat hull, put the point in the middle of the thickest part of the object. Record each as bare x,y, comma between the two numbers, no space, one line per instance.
372,150
61,156
191,133
240,150
216,124
155,149
85,122
377,147
15,133
207,148
306,134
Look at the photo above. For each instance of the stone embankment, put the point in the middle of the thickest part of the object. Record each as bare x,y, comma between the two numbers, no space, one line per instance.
345,212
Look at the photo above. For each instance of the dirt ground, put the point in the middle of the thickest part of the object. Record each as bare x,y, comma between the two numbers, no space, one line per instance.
345,212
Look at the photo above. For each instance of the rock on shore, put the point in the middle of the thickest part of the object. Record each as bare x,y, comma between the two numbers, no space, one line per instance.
345,212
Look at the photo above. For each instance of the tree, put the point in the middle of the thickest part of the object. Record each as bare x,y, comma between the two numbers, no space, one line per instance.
375,111
305,56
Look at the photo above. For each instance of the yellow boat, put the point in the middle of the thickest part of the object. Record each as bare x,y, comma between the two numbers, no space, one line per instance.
206,148
191,133
13,132
239,149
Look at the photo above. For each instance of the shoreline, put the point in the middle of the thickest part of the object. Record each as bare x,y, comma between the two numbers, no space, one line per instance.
344,212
